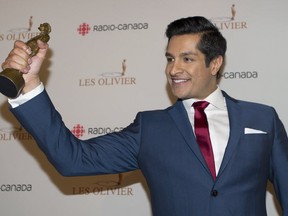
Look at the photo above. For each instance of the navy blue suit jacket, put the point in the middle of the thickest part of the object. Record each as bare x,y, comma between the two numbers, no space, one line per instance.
161,143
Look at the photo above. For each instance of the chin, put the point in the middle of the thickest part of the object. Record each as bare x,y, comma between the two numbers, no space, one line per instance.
180,96
181,93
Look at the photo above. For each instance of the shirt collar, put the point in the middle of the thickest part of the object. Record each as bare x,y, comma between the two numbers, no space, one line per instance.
215,99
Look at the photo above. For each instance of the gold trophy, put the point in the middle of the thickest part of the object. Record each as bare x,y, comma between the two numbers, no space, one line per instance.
11,80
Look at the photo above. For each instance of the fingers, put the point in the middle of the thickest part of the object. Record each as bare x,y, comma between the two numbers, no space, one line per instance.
43,47
18,58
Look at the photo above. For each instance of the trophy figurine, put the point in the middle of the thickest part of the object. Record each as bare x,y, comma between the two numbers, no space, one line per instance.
11,80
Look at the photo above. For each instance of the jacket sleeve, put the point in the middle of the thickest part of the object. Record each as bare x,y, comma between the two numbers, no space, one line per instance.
279,164
112,153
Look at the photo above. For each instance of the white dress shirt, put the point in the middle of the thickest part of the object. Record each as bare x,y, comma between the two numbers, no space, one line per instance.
218,123
22,98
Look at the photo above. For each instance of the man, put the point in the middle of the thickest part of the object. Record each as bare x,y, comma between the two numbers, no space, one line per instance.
249,142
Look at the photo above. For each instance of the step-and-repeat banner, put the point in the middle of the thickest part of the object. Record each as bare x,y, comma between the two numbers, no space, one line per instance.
105,64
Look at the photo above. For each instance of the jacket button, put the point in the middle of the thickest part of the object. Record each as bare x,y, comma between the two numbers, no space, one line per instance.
214,193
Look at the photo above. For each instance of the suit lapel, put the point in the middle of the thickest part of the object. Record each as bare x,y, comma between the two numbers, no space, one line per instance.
181,119
235,122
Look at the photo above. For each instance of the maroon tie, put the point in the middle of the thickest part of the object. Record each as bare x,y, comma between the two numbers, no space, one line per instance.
202,134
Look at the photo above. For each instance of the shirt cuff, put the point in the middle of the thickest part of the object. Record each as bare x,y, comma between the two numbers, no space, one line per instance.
23,98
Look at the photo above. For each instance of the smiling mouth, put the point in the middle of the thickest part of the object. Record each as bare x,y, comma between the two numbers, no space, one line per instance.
179,80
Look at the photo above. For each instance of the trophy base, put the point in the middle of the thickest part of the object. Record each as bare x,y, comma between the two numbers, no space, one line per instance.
9,88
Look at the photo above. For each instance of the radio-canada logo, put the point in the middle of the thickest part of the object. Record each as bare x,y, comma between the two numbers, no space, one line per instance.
84,28
78,130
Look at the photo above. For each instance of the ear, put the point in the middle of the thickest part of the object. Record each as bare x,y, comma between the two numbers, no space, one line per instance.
215,64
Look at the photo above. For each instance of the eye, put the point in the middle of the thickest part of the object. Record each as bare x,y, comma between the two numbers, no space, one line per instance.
187,59
169,59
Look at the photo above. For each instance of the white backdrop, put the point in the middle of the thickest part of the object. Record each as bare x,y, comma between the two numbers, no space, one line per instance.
83,77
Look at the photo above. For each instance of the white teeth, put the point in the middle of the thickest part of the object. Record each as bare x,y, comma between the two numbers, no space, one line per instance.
179,81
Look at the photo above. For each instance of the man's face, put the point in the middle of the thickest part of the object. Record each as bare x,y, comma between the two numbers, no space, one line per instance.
186,71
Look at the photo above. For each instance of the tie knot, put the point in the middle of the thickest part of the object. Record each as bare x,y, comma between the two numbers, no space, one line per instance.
200,104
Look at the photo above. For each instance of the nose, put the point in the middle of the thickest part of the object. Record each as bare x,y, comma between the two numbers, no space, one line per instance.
174,68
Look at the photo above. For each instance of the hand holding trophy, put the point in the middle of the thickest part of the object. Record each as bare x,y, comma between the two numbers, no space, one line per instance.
11,80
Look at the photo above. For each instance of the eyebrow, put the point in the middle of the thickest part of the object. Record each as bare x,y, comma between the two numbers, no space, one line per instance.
167,54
